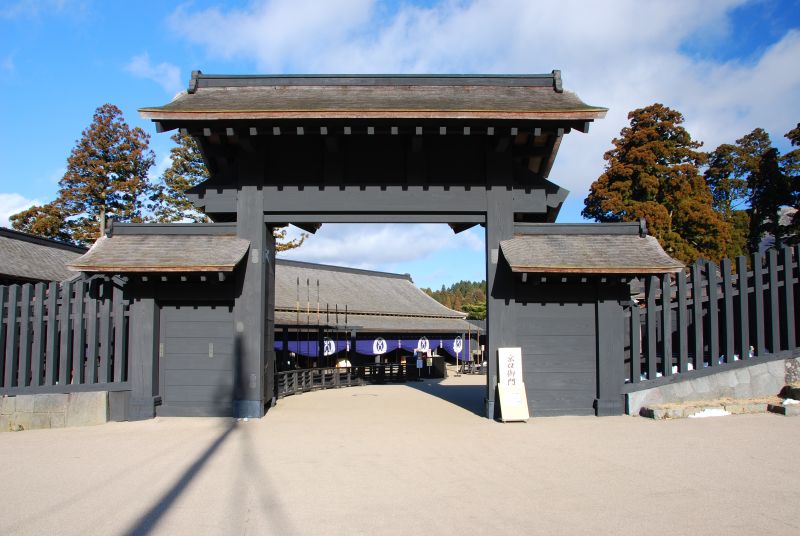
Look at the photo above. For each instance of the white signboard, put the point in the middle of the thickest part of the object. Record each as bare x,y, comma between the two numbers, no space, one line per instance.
513,399
458,345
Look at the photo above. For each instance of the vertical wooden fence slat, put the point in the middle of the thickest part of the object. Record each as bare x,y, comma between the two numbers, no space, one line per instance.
25,336
666,324
683,334
713,314
774,299
744,307
12,338
104,374
65,335
636,343
788,294
697,314
37,349
78,335
91,338
758,291
51,343
120,337
727,300
650,290
3,318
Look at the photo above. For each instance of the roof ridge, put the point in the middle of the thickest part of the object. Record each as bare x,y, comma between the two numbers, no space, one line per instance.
40,240
342,269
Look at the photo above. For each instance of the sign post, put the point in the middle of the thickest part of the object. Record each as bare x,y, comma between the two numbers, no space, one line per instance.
511,388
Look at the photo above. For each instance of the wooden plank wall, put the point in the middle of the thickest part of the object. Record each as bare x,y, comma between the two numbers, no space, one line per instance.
62,337
710,316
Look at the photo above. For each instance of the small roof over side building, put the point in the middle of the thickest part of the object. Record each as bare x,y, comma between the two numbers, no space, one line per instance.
164,249
27,258
587,249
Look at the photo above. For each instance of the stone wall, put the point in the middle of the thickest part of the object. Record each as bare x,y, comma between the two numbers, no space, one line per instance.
755,381
28,412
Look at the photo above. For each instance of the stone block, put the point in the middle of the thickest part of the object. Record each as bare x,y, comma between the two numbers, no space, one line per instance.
653,413
675,413
756,407
5,423
50,403
766,385
683,390
743,390
21,421
24,404
58,420
792,371
8,405
40,421
702,386
86,409
739,409
791,392
742,375
788,411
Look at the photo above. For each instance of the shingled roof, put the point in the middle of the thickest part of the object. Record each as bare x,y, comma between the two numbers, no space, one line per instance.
127,253
375,96
376,301
25,257
587,249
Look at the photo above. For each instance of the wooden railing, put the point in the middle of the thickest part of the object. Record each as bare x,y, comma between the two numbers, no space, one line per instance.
713,316
302,380
57,338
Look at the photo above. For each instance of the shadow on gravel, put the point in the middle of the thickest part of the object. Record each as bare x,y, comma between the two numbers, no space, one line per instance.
468,397
148,521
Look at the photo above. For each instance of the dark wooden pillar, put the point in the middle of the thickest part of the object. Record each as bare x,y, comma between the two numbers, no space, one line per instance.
500,326
144,352
610,326
253,323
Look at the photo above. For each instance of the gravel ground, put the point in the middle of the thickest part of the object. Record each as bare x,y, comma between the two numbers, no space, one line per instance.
403,459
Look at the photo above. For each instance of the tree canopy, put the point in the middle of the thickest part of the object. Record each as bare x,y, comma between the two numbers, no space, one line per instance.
466,296
751,182
187,169
106,175
653,173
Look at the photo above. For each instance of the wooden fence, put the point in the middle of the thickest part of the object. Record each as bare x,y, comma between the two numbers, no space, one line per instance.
302,380
713,316
60,338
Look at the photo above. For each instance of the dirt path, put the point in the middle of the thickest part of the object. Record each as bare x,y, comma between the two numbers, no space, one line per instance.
403,459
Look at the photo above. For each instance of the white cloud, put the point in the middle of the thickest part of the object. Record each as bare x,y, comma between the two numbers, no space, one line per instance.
11,204
165,74
623,55
35,8
374,247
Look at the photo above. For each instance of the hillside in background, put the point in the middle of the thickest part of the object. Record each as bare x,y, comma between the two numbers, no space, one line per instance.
467,296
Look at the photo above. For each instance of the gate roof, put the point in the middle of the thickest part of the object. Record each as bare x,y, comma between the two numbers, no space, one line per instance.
520,97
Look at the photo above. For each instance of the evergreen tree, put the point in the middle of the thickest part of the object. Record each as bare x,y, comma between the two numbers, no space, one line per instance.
769,191
731,169
791,163
106,176
46,220
465,296
652,173
187,169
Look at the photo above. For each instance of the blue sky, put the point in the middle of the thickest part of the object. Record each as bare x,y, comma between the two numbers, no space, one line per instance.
728,65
